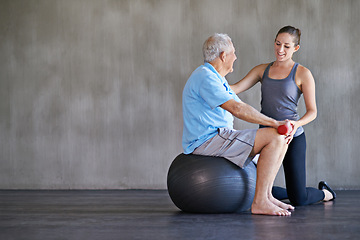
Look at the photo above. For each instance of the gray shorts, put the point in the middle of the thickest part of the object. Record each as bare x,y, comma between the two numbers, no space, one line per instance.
234,145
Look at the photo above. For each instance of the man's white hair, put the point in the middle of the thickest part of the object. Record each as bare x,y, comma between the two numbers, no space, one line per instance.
216,44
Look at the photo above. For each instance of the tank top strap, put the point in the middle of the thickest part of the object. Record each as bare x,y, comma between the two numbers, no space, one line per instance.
266,72
291,75
293,71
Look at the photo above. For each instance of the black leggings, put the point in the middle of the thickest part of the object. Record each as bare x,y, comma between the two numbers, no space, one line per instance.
295,176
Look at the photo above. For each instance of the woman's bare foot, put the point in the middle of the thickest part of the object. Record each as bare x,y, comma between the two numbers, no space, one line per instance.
266,207
281,204
328,195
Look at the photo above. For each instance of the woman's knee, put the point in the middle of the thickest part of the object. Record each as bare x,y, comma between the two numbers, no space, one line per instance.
298,200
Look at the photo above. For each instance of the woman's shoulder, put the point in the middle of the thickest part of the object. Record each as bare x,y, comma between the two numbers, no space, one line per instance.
261,68
303,71
303,76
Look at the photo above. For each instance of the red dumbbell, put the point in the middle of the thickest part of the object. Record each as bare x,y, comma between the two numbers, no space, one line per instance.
285,129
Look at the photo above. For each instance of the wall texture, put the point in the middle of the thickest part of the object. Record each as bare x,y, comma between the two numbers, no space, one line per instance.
90,90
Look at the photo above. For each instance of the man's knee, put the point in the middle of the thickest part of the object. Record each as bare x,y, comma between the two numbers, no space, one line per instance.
279,140
268,136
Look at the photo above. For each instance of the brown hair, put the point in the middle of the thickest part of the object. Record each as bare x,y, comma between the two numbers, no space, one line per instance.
295,32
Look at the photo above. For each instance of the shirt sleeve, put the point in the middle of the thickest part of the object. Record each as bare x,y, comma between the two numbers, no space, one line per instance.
215,92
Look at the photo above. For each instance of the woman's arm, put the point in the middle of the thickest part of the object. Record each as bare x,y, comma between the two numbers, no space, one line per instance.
253,77
306,83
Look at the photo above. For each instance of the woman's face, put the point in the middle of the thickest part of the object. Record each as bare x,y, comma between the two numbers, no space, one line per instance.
284,47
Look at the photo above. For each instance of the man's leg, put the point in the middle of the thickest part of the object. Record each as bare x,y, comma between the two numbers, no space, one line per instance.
272,148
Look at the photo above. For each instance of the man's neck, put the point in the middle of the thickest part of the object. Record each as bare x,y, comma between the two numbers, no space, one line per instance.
217,64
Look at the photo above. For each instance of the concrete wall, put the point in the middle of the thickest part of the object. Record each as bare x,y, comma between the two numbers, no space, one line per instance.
90,90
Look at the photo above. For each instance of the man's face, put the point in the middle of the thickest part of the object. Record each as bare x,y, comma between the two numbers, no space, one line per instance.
230,59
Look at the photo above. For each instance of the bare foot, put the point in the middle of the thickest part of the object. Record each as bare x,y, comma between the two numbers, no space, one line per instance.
281,204
266,207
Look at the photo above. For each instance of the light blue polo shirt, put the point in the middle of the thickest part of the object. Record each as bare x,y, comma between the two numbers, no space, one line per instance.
203,94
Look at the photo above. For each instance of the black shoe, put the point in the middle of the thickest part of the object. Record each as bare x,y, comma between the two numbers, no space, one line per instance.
324,185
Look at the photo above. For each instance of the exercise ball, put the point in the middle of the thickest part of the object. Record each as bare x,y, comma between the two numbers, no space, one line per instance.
205,184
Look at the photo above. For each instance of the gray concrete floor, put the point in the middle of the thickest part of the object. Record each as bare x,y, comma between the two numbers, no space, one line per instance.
140,214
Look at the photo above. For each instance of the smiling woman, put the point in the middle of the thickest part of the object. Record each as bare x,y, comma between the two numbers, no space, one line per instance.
283,82
286,44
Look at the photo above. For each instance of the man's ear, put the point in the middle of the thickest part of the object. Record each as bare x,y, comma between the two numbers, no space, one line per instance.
222,56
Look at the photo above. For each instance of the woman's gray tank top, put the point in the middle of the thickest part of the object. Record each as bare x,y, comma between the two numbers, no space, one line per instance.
280,97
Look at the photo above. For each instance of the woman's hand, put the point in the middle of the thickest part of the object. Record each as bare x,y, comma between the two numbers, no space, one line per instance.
295,126
289,135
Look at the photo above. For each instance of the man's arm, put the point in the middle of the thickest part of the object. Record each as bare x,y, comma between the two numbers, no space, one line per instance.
247,113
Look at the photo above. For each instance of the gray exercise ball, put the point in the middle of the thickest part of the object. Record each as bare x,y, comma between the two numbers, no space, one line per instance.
205,184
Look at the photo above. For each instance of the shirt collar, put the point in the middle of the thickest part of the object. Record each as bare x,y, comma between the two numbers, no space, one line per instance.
211,67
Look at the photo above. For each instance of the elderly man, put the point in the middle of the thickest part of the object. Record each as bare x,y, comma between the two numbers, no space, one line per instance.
209,105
